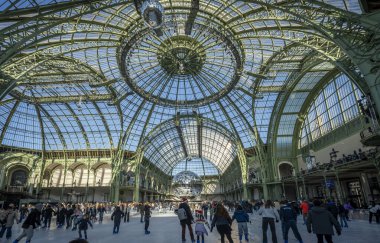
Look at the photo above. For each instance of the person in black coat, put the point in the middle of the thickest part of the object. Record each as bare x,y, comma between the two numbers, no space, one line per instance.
116,217
188,221
321,221
101,209
48,214
30,223
332,208
93,214
69,214
205,209
342,215
83,225
61,214
147,215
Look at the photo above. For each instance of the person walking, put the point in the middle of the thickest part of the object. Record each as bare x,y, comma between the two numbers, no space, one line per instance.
205,209
129,208
186,219
83,226
349,209
62,211
101,210
76,217
141,209
3,218
270,215
30,223
212,210
332,208
374,209
92,213
23,212
321,221
242,218
222,221
124,210
288,217
304,210
342,215
116,216
10,216
48,214
69,214
147,215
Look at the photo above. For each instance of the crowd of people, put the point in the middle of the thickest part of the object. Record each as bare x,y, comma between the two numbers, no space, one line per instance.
73,217
320,217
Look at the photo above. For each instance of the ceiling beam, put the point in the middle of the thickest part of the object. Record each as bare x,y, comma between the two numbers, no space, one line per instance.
8,121
180,134
73,81
37,10
55,125
62,99
4,102
193,14
80,125
199,133
105,124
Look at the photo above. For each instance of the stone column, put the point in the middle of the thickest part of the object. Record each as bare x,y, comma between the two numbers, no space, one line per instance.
365,187
338,187
115,189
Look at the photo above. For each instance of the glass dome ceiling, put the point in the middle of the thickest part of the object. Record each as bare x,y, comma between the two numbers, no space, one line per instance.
178,69
83,74
192,142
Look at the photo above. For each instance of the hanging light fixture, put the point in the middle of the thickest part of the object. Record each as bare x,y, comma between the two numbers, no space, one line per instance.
152,13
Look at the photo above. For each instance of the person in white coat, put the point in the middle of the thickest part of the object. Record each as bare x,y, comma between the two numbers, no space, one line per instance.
270,215
374,209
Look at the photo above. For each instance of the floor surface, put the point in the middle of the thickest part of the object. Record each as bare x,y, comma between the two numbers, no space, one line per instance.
165,228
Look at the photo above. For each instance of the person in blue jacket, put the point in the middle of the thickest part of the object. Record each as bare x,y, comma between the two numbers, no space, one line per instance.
242,218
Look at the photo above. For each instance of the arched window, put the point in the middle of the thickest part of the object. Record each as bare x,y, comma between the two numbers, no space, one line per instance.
334,106
103,175
19,178
79,175
57,177
82,176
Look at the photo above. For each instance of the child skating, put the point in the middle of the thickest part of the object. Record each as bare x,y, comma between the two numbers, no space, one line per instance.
83,225
200,229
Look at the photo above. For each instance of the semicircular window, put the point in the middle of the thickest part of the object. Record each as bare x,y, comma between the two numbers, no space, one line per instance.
334,106
200,166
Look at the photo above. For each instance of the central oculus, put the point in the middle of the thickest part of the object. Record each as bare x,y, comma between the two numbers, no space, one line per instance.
174,69
181,55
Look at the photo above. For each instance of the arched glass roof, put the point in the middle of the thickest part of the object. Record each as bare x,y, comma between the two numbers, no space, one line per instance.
83,74
334,106
191,142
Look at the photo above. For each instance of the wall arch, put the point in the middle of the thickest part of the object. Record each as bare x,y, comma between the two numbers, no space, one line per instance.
285,168
18,176
102,175
6,170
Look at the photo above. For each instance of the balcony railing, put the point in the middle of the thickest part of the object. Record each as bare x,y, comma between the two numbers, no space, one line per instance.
16,189
370,136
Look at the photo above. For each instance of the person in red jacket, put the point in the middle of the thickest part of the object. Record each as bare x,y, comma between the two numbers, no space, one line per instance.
305,210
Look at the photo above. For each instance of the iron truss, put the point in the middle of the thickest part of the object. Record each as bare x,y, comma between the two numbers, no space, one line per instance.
93,69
